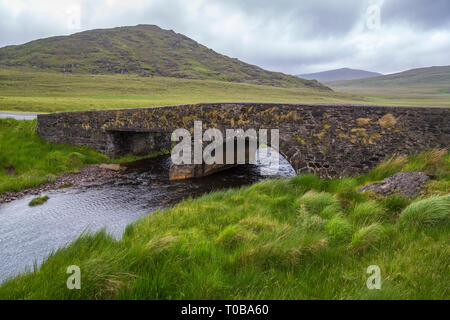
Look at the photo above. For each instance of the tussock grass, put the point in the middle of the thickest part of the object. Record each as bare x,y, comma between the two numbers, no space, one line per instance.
306,182
435,163
387,168
394,204
321,203
299,238
368,237
345,190
339,229
367,212
427,212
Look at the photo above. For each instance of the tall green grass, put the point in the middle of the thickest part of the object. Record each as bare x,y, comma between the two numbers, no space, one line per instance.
299,238
428,212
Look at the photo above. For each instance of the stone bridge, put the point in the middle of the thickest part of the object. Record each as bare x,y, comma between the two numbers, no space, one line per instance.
329,140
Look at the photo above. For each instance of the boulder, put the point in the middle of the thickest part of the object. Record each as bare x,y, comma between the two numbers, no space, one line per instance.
408,183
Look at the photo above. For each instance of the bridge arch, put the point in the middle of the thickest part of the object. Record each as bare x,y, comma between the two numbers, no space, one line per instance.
230,152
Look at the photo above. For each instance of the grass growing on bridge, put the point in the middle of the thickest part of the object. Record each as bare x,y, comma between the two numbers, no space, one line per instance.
299,238
28,161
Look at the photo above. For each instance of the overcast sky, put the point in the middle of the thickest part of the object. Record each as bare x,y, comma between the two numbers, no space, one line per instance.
292,36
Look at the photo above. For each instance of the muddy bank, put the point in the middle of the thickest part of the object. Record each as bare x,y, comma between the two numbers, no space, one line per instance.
91,173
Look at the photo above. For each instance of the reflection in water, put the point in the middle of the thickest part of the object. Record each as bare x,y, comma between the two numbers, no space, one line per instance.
29,234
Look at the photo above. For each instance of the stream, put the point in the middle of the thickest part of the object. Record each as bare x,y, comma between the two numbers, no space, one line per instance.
29,234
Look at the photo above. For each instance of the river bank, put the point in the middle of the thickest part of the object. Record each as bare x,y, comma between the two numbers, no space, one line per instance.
90,173
111,202
30,165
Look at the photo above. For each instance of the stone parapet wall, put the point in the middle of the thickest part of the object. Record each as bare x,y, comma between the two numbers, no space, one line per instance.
329,140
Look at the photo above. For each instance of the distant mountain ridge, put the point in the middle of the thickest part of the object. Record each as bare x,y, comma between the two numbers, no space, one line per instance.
146,50
437,77
339,74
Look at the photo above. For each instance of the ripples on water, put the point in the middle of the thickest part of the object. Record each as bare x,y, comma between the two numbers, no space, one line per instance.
29,234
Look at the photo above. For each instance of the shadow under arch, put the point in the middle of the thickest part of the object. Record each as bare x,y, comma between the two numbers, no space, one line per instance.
234,151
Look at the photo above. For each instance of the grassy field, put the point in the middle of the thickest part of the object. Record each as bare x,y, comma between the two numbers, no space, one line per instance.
38,91
299,238
421,95
28,161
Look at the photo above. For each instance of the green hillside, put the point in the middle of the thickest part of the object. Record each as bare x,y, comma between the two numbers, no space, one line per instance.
146,50
427,86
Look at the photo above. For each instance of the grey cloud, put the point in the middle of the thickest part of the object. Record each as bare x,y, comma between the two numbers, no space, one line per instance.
291,36
417,13
22,28
309,18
